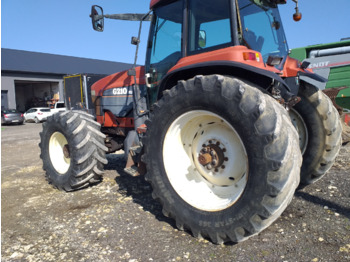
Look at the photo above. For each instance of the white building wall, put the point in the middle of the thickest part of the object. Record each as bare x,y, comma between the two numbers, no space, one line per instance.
8,83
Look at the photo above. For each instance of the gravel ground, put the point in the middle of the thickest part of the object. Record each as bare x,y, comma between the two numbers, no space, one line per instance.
117,220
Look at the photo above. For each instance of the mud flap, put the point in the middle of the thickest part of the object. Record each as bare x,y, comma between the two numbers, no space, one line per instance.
313,79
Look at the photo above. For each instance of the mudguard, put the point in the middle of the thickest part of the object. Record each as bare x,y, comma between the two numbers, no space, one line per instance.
258,76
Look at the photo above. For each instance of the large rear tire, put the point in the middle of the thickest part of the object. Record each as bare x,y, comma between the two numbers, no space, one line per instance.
72,150
317,122
222,157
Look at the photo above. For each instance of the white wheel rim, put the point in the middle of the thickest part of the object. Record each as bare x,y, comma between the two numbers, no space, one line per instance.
58,143
301,128
203,188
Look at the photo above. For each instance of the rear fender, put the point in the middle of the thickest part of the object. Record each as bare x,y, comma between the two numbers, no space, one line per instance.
259,77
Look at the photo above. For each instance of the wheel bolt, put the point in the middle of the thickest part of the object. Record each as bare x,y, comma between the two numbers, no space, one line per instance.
209,167
214,162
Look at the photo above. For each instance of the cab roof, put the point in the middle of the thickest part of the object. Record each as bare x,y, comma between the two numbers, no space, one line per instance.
274,2
156,2
153,3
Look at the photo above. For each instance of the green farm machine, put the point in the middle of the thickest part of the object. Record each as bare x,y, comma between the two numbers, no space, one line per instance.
331,61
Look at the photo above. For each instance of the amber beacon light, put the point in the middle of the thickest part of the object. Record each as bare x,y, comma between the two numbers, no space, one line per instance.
297,15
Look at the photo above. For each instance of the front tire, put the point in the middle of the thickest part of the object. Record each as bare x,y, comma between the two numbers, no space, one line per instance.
317,122
257,159
72,150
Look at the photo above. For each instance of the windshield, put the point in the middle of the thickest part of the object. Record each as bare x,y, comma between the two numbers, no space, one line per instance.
262,30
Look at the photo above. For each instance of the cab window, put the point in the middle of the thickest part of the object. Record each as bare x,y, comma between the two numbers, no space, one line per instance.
166,40
209,30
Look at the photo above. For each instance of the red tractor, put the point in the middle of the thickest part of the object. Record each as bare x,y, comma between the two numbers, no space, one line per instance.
222,122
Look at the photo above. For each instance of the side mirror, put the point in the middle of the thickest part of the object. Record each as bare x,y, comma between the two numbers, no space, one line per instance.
97,18
202,39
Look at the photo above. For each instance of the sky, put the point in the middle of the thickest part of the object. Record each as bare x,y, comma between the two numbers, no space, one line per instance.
64,27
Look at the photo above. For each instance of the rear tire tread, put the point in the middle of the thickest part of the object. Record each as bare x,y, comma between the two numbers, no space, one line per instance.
325,129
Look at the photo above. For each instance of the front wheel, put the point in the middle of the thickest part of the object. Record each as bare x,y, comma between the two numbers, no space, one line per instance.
72,150
221,158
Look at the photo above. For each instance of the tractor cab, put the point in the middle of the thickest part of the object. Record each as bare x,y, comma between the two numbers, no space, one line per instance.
183,29
198,34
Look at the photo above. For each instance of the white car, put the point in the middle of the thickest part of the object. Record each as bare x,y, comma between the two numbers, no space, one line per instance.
37,114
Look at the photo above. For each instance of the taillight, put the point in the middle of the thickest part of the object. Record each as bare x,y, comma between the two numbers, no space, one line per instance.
21,115
6,116
252,56
39,113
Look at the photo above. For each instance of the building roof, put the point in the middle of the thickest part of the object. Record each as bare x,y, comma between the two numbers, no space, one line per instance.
43,63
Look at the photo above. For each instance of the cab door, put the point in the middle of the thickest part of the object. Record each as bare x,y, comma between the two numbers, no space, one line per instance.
165,45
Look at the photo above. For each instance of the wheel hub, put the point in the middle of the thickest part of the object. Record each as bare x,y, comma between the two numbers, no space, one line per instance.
300,126
210,171
212,155
59,153
66,152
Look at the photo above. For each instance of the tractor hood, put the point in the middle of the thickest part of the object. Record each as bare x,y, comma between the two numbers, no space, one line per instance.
117,80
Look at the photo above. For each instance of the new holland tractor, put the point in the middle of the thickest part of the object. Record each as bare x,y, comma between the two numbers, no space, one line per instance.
224,125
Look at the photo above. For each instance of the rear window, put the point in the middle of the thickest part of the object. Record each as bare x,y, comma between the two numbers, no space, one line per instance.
45,110
9,111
